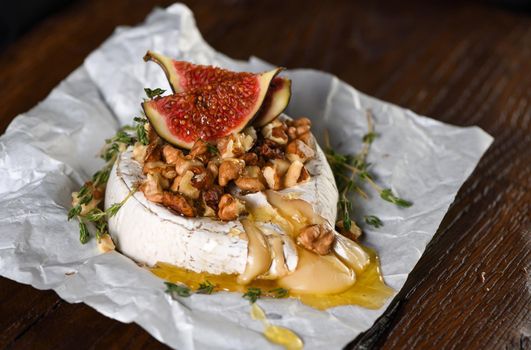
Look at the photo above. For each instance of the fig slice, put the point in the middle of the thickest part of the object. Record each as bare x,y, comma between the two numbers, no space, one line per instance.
211,103
178,75
276,101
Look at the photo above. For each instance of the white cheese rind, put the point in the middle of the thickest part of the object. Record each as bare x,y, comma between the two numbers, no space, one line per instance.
148,232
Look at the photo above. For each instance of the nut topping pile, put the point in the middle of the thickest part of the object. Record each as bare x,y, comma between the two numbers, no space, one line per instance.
196,183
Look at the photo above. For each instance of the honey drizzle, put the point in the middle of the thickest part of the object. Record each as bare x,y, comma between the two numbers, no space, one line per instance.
276,334
369,291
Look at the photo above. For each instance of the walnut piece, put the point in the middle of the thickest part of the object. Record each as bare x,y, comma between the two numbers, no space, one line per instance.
296,173
200,150
185,186
354,233
152,188
212,196
230,208
276,132
298,150
139,152
171,154
249,184
105,244
166,170
178,203
230,169
317,238
272,176
235,145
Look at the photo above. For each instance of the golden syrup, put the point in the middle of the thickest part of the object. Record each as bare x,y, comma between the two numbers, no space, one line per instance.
276,334
369,290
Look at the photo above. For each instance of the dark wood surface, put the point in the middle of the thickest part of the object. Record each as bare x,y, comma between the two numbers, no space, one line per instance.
465,63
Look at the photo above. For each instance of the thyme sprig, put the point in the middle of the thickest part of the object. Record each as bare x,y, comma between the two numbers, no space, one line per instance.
182,290
152,93
109,153
350,170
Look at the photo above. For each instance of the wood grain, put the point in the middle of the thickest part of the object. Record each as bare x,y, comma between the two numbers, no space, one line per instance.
465,63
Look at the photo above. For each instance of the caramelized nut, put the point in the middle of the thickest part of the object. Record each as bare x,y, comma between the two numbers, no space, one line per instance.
317,238
200,150
274,131
185,185
212,196
202,177
213,167
171,154
230,169
270,150
235,145
298,150
272,177
230,208
152,188
166,170
354,233
249,184
308,139
178,203
250,158
105,243
296,173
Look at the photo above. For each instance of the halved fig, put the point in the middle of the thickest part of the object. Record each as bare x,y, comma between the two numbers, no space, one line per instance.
184,76
213,103
276,101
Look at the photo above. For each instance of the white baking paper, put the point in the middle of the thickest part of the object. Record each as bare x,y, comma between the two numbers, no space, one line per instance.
49,151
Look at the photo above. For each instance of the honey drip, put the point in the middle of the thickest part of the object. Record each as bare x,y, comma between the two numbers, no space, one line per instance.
276,334
369,290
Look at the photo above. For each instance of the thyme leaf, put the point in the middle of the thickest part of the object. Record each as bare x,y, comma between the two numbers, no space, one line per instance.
74,211
151,93
177,289
252,294
279,292
205,288
83,232
373,221
387,195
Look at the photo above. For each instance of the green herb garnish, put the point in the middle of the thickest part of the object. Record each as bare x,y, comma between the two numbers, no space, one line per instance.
350,170
177,289
83,232
253,294
279,292
151,93
373,221
205,288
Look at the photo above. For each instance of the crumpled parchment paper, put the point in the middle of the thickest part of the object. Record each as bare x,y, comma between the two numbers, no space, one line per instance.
49,151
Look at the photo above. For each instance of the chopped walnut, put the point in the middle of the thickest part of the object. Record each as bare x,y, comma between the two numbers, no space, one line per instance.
354,233
272,176
153,153
235,145
296,173
308,139
317,238
171,154
250,158
282,165
151,133
200,150
202,177
275,131
152,188
178,203
212,196
230,169
166,170
298,150
213,167
175,184
185,186
270,150
250,184
185,164
230,208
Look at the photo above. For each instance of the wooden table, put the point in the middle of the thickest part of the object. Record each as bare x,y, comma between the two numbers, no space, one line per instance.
465,64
